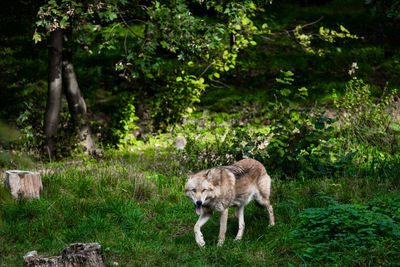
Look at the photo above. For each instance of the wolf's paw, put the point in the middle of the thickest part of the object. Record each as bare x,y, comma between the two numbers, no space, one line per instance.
199,239
220,243
201,244
238,238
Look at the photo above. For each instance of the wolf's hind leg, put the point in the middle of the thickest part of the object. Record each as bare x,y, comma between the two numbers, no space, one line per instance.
264,187
266,203
270,212
197,233
240,212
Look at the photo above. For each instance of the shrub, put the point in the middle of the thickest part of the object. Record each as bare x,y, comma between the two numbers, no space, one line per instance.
299,145
365,121
290,141
299,142
123,121
389,206
347,232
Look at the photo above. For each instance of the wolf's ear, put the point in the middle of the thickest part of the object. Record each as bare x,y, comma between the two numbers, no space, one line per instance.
209,175
214,176
190,174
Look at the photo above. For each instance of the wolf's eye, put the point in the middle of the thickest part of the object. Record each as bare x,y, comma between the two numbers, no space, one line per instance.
203,190
194,190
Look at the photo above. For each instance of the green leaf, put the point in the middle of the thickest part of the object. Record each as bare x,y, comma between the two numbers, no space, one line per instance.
285,92
164,44
36,37
395,127
246,21
288,73
319,125
63,23
279,80
343,29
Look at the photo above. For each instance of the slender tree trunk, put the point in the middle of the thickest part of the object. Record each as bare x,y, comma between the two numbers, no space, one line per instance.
232,40
149,34
51,116
76,104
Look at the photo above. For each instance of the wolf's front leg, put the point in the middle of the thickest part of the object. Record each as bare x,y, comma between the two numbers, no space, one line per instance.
240,211
222,227
197,233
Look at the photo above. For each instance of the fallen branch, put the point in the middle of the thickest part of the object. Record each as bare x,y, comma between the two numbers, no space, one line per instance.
288,32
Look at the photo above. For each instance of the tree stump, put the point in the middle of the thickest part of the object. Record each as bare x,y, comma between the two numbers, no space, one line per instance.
75,255
24,183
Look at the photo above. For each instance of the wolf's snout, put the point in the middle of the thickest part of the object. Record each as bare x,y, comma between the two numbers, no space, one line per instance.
199,207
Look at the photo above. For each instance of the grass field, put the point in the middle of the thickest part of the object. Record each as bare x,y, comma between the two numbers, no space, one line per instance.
134,206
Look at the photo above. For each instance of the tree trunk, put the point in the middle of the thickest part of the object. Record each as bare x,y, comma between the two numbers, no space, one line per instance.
76,104
232,40
51,116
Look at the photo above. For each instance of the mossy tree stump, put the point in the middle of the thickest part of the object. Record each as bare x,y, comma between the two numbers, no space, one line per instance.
78,254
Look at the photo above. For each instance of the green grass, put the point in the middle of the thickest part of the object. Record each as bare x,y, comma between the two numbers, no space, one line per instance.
134,206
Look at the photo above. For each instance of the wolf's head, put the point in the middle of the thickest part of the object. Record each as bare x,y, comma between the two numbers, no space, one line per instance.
200,189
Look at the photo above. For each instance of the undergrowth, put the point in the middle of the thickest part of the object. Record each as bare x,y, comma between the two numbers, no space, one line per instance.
349,233
133,204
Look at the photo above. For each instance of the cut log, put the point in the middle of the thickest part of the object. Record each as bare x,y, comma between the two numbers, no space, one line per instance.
78,254
24,184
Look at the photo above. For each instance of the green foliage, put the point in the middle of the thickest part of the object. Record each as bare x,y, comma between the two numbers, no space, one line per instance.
30,124
299,144
8,136
291,141
179,51
324,34
347,232
67,14
177,99
195,37
220,139
365,121
125,119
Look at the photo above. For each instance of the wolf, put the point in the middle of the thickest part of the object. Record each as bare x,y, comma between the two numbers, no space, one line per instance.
219,188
